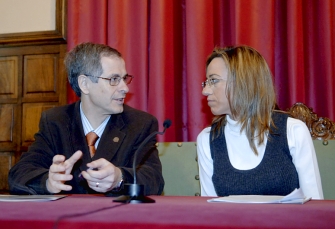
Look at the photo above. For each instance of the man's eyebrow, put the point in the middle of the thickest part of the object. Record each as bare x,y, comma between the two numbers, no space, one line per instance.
113,75
117,75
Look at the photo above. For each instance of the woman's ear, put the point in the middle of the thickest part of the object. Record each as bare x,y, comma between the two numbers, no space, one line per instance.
83,84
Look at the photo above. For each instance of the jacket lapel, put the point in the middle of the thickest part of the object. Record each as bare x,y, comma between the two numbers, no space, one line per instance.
111,138
78,139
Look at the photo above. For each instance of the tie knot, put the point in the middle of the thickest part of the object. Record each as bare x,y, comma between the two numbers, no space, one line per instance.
91,138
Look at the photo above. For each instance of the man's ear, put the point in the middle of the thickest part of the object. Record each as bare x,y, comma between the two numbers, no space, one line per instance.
83,84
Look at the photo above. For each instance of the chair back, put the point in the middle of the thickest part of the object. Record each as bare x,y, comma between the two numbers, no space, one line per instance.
180,168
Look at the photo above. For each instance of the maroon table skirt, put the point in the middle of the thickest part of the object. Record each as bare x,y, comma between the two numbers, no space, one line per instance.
89,211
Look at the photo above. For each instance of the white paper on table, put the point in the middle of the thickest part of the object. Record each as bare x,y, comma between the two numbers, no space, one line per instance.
295,197
33,198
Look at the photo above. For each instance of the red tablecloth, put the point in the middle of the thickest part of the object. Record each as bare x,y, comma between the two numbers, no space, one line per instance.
91,212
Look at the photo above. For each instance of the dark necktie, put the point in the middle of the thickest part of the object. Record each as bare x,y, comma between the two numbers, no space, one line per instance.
91,138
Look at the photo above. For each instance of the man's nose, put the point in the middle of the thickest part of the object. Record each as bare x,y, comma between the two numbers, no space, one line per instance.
123,86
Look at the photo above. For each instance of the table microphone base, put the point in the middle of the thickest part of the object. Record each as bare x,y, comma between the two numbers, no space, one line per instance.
134,199
135,195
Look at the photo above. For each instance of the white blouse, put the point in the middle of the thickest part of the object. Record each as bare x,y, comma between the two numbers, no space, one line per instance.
242,157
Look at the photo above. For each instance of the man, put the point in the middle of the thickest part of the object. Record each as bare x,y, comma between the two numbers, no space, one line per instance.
61,160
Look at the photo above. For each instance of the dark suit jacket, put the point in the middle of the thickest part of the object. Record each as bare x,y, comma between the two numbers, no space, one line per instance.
61,132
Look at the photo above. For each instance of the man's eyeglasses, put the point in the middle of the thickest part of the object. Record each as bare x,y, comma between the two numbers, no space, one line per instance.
115,80
210,82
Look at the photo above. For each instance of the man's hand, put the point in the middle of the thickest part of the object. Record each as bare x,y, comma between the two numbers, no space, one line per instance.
60,172
103,175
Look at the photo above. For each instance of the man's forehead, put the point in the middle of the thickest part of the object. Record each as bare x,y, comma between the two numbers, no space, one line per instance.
113,66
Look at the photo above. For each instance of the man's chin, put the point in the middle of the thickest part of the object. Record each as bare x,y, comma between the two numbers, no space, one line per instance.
117,110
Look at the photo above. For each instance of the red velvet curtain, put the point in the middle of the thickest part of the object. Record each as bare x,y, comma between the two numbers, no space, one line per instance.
165,44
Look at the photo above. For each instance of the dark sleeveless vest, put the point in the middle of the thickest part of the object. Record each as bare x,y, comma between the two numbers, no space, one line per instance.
275,175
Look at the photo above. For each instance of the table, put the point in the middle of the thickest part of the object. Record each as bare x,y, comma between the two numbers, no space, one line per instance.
90,211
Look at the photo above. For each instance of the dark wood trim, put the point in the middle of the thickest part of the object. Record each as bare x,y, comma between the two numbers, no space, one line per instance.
321,128
44,37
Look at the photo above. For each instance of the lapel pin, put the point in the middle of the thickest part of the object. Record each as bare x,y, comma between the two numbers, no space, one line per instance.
116,139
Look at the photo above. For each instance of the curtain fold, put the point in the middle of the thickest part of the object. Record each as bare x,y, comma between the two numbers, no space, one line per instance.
165,44
128,32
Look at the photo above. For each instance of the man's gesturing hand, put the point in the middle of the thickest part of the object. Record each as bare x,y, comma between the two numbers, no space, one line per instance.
103,175
60,172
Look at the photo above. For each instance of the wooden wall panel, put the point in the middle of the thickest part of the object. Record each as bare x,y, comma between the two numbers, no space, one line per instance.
32,79
30,120
6,162
40,75
6,123
9,77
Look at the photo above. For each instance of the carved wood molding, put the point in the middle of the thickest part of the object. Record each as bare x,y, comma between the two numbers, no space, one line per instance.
57,36
321,128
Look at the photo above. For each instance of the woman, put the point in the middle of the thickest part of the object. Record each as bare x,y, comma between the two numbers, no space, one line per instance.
251,148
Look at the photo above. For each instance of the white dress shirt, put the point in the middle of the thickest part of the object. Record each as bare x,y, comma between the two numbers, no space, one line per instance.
242,157
88,127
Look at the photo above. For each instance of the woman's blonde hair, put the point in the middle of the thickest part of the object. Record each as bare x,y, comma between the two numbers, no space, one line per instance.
249,90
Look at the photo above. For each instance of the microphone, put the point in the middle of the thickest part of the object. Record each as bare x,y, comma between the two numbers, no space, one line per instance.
136,191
